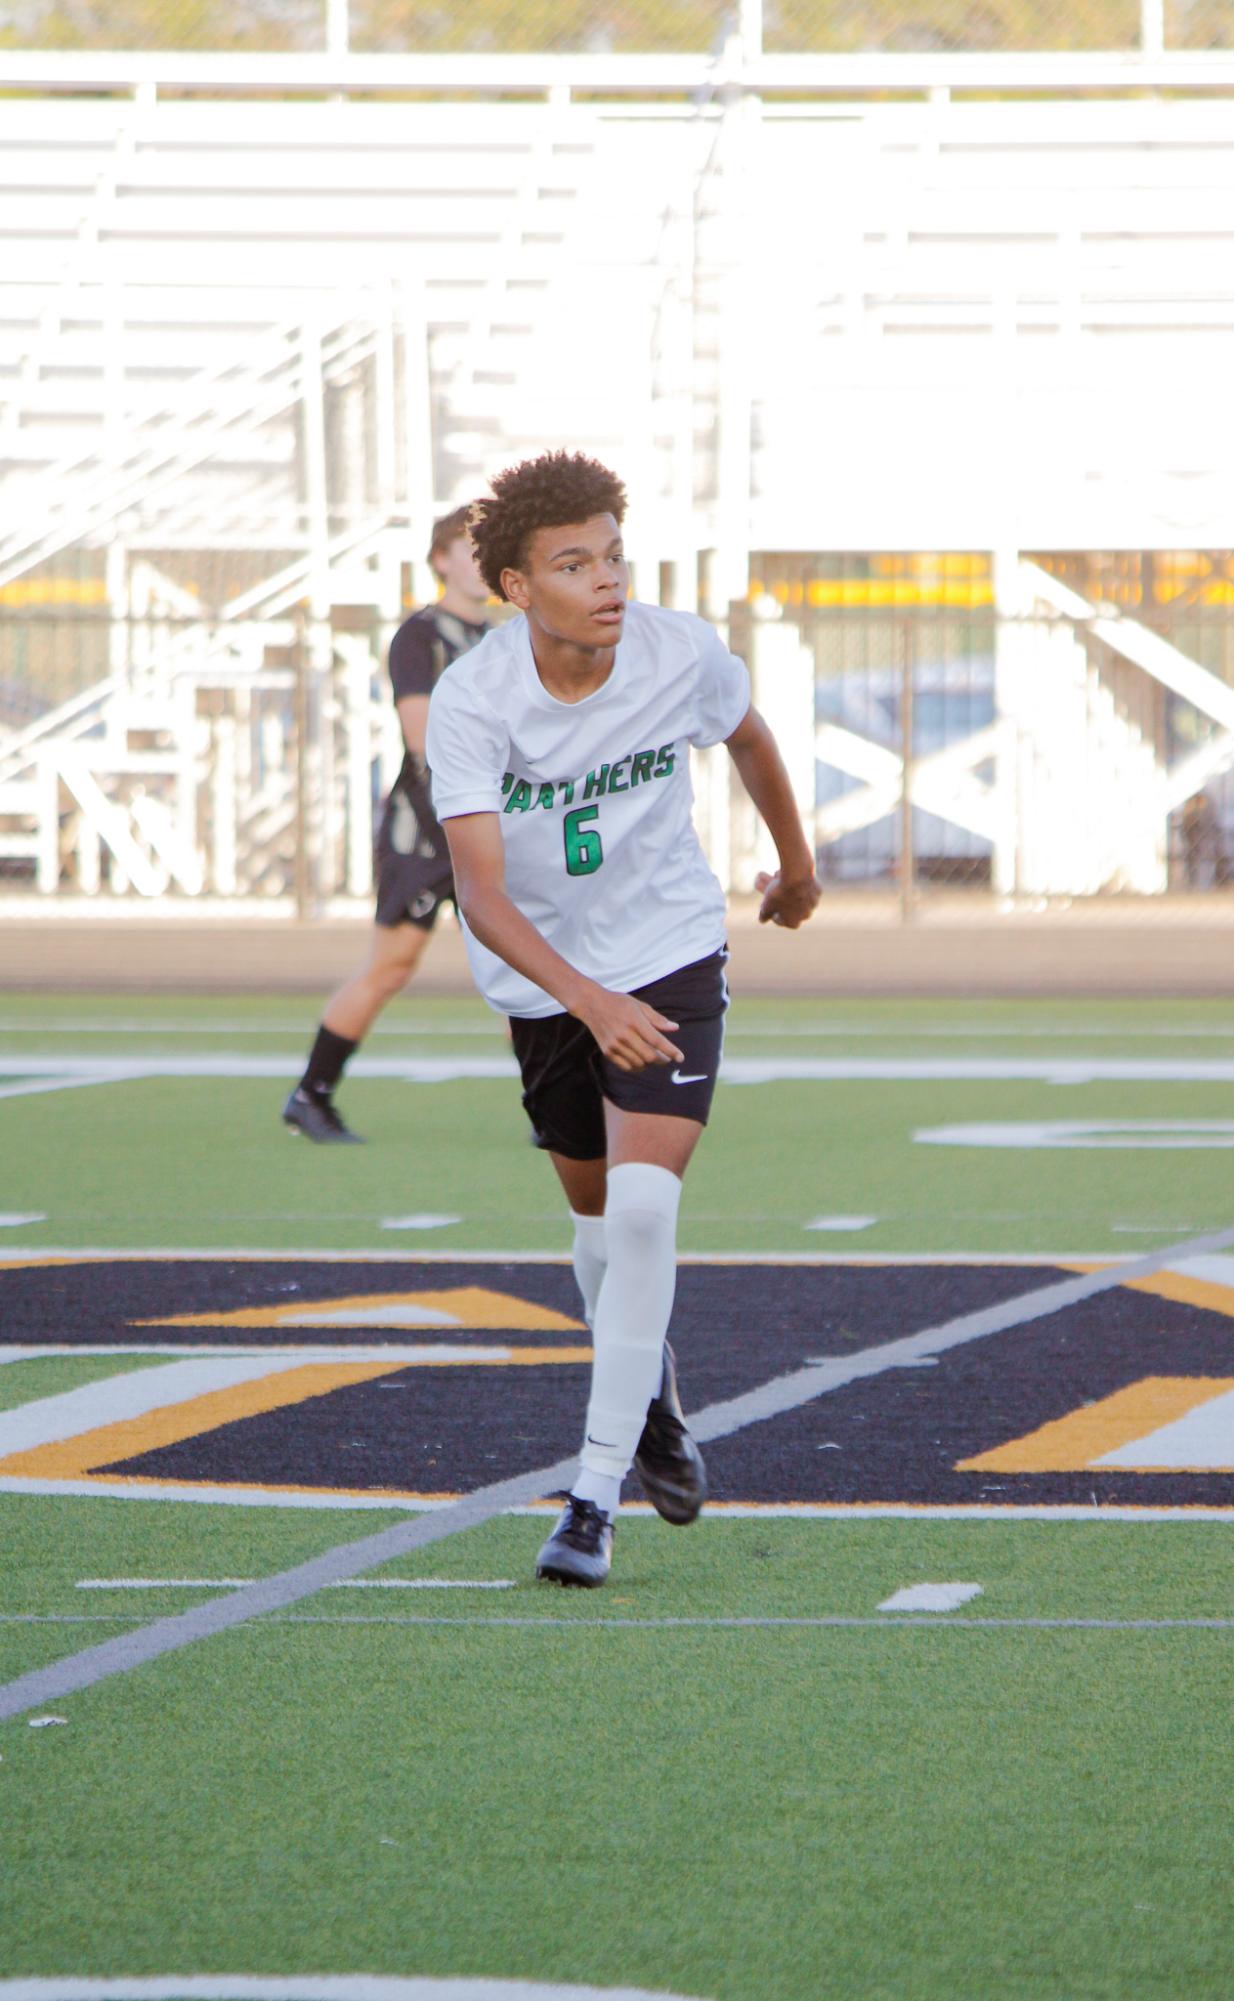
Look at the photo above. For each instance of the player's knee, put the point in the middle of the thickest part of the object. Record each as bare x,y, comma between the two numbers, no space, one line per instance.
392,972
638,1234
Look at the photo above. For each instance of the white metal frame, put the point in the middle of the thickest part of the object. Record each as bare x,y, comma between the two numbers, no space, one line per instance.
146,75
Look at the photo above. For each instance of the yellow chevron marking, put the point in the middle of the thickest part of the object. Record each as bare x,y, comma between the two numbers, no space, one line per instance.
1174,1285
1073,1443
472,1306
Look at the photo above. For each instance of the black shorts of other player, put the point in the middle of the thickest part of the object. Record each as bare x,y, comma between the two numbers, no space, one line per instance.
566,1078
414,874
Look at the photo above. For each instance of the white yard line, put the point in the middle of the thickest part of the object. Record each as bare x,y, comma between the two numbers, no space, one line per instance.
891,1031
744,1070
583,1623
381,1254
342,1584
77,1079
310,1987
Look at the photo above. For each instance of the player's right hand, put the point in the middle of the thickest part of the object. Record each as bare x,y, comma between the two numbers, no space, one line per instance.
628,1032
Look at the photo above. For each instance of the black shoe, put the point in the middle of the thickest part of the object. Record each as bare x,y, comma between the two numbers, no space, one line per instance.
667,1461
309,1113
580,1549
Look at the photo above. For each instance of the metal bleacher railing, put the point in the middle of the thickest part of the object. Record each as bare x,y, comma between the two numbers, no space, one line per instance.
278,283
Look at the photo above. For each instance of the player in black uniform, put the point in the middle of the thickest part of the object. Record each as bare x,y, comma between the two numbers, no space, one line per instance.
414,876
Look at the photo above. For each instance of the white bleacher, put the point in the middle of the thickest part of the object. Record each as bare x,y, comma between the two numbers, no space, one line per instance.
1033,296
140,246
925,285
293,329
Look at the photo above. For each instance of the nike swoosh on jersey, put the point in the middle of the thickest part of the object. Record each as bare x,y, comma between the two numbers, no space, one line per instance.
677,1078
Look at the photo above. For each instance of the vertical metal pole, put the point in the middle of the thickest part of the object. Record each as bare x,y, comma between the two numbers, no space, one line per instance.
303,875
418,468
358,683
383,400
117,586
338,27
1152,27
1014,645
223,806
907,885
750,27
730,570
49,821
316,500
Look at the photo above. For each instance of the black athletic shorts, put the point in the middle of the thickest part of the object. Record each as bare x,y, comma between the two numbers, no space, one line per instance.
414,876
566,1079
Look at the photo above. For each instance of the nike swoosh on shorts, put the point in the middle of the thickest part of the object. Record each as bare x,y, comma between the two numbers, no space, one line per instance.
677,1078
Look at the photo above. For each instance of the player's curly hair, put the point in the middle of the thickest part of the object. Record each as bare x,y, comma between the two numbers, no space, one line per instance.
547,492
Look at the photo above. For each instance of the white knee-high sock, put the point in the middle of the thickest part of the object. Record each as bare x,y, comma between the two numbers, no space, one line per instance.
589,1258
631,1320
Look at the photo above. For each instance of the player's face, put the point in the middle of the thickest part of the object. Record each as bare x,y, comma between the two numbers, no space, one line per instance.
575,582
456,566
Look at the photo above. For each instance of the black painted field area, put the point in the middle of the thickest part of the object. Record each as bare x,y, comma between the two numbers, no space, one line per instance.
893,1437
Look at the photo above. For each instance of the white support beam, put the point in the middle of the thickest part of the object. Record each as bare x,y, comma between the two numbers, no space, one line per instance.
48,782
313,438
109,823
1126,636
223,871
417,429
1193,773
358,733
338,28
943,783
158,823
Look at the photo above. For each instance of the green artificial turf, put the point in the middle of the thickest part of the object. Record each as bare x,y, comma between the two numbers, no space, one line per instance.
876,1812
180,1162
725,1567
752,1813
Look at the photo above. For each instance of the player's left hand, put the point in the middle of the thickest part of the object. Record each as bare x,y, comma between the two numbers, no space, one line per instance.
787,903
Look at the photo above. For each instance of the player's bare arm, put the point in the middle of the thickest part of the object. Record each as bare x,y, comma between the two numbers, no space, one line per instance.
789,896
627,1031
413,721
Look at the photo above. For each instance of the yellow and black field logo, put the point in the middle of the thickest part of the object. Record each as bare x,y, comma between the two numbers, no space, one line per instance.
345,1382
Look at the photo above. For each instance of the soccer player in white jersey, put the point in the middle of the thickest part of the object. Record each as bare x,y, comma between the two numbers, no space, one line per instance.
559,749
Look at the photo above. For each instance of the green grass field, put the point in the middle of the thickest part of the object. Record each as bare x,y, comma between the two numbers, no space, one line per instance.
190,1161
729,1775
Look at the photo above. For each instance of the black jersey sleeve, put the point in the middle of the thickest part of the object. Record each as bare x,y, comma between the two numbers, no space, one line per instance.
411,659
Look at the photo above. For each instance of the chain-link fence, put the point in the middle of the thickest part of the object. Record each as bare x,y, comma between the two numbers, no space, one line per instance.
617,26
243,26
940,743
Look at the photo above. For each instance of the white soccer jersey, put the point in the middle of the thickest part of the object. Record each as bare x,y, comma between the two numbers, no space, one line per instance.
594,796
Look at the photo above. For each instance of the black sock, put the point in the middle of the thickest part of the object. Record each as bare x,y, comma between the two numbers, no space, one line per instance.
326,1059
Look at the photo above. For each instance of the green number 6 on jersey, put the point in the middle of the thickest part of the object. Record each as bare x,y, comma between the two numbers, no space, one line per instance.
584,853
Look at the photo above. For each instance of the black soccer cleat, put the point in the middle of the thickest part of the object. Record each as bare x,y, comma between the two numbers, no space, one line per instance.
309,1113
580,1549
667,1461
